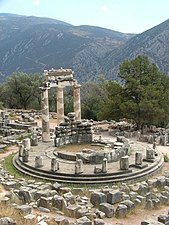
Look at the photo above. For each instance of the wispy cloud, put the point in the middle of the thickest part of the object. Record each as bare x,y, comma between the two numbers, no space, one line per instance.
104,8
36,2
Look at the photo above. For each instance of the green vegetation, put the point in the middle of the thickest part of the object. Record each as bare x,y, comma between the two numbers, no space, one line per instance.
166,157
141,95
8,166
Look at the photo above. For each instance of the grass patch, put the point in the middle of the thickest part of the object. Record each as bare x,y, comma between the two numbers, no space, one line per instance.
166,157
18,217
9,167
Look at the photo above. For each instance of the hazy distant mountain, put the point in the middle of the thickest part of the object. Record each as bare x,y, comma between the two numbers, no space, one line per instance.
153,43
32,44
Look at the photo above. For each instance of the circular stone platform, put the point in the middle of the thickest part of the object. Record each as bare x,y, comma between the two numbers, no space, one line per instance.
66,172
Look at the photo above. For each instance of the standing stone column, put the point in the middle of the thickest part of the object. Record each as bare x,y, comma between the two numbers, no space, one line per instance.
138,158
78,166
124,163
77,102
60,105
45,115
104,165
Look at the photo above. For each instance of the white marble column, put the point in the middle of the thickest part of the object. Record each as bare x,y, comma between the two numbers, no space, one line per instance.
45,115
77,102
60,105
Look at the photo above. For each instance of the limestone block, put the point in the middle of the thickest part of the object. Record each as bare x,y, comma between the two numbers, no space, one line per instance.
7,220
163,219
163,200
143,189
30,218
5,200
150,222
121,211
133,195
69,197
149,204
161,182
156,203
71,210
137,202
83,221
25,195
82,212
130,205
165,193
42,193
59,202
45,202
10,184
61,220
114,197
24,209
56,186
141,198
107,208
97,197
99,222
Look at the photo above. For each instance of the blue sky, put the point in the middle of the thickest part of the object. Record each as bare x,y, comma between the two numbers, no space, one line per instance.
128,16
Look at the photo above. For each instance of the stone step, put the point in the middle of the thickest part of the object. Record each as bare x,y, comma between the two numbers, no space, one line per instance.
86,178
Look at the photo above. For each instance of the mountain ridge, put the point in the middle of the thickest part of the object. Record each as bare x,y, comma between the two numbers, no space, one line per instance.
32,44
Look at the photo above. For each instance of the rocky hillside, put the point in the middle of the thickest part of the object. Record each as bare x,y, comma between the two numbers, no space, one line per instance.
153,43
32,44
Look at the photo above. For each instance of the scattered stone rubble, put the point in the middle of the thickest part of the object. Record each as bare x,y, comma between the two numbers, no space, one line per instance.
84,206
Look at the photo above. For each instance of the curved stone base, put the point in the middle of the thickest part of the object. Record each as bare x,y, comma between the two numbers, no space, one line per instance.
66,173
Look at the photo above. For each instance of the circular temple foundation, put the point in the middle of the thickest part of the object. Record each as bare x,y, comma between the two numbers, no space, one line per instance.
100,162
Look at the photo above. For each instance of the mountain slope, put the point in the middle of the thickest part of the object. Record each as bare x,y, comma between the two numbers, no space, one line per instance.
153,43
32,44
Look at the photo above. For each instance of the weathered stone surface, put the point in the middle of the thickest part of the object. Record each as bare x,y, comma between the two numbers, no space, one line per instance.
7,221
143,189
59,202
30,218
163,199
121,211
99,222
161,182
25,195
24,209
114,197
61,220
71,210
97,197
82,212
83,221
156,202
150,222
107,208
56,186
69,197
45,202
130,205
149,204
163,219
